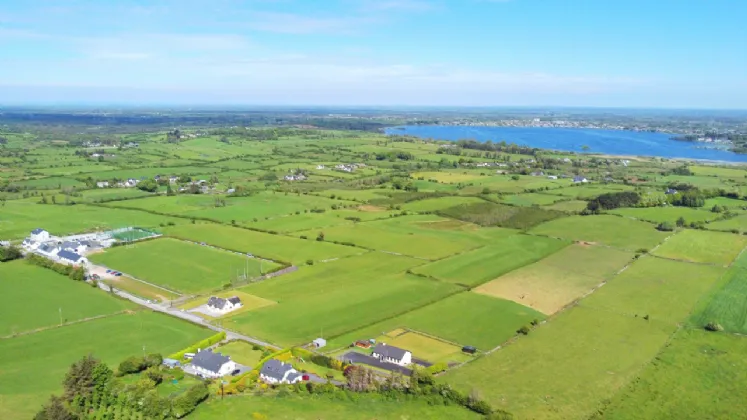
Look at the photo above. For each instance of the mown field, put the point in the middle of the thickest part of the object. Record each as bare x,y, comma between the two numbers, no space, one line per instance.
703,247
609,230
33,366
726,305
181,266
667,214
32,297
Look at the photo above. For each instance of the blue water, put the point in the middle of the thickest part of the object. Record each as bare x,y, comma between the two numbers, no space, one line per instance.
612,142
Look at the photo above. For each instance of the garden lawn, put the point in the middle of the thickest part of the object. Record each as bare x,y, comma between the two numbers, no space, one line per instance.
180,266
727,303
555,281
336,297
473,319
664,290
265,245
33,366
366,407
241,352
32,297
699,375
484,264
424,347
605,229
565,368
703,246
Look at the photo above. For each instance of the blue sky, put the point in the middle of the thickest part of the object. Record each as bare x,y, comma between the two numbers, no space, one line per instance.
632,53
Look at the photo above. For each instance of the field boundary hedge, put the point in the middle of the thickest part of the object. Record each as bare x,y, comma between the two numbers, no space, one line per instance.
214,339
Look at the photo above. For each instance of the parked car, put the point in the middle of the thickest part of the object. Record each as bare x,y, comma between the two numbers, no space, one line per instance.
108,271
117,274
305,378
235,372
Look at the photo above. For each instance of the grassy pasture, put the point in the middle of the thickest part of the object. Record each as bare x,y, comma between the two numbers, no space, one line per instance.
605,229
306,221
698,376
433,204
664,290
487,263
33,366
112,194
724,202
49,183
738,224
179,265
450,177
474,319
73,170
320,407
666,214
565,368
18,218
504,183
727,303
336,298
140,289
555,281
582,191
32,297
568,206
491,214
276,247
735,173
530,199
703,246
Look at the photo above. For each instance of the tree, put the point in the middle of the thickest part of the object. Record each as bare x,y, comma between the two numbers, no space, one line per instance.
10,253
148,185
320,236
665,227
55,409
80,378
681,222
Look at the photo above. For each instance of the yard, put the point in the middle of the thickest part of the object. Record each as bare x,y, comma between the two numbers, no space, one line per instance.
180,266
703,247
241,352
555,281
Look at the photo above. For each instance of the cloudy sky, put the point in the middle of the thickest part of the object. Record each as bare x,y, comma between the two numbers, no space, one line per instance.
632,53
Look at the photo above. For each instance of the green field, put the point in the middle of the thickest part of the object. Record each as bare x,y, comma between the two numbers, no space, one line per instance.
699,375
667,214
565,368
531,199
34,365
568,206
474,319
32,297
727,303
736,224
557,280
703,246
180,266
604,229
433,204
241,352
484,264
265,245
336,297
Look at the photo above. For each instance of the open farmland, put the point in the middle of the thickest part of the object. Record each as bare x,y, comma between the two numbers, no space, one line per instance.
337,297
736,224
667,214
557,280
434,204
568,206
531,199
56,299
726,305
180,266
484,264
703,246
604,229
265,245
34,365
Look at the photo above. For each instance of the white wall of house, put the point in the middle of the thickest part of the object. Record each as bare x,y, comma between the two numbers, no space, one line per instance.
40,237
271,380
224,370
406,359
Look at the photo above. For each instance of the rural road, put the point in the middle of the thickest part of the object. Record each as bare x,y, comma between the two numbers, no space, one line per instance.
187,316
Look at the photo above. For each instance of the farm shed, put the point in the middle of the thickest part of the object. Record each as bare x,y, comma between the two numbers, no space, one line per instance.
319,343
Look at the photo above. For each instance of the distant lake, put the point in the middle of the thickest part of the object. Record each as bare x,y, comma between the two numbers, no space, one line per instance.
611,142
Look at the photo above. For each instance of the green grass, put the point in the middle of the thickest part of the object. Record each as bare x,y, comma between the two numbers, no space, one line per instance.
604,229
32,297
664,290
336,297
306,221
140,289
530,199
667,214
565,368
241,352
433,204
568,206
557,280
473,319
484,264
703,246
491,214
700,375
366,407
736,224
180,266
727,304
275,247
33,366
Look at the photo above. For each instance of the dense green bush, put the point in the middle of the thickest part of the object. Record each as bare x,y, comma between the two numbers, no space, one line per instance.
189,400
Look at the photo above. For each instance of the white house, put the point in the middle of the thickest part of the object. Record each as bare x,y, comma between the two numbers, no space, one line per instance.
276,372
391,354
299,177
39,235
224,305
68,257
552,177
47,250
102,184
580,179
319,166
212,365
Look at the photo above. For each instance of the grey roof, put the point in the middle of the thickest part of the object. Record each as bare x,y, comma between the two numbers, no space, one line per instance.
579,178
70,245
67,255
392,352
171,362
210,361
235,300
216,302
276,369
37,231
45,248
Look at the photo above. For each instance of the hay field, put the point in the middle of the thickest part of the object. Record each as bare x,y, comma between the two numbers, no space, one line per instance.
703,247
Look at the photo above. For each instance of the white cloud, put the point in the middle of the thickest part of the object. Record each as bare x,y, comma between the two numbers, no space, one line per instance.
290,23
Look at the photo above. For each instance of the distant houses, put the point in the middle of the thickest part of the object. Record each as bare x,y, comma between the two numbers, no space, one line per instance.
578,179
276,372
391,354
39,235
212,365
295,177
69,257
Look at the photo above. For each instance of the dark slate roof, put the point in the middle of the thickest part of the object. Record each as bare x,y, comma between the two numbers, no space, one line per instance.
389,351
235,300
210,361
69,255
276,369
70,245
37,231
216,302
579,178
45,248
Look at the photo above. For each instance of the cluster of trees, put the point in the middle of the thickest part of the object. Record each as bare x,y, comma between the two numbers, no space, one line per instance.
611,201
502,146
9,253
691,198
74,272
3,140
137,364
393,156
